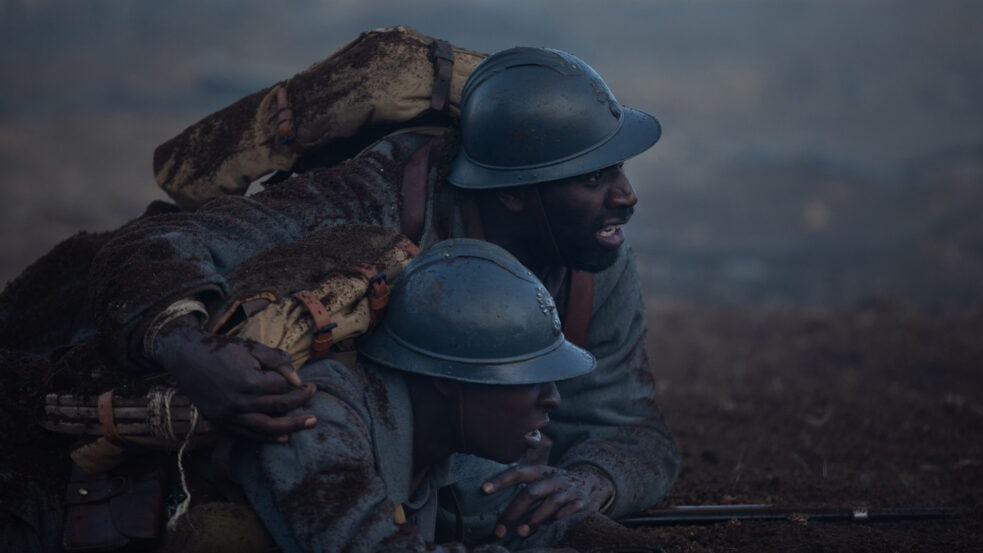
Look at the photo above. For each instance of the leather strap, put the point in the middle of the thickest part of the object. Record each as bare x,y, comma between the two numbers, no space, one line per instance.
107,423
320,315
409,247
323,340
414,192
579,303
285,122
442,55
378,293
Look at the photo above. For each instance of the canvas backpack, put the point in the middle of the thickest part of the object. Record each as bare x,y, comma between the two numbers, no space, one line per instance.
382,81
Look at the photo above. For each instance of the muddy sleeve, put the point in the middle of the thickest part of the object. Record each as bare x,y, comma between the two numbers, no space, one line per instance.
609,418
156,260
321,491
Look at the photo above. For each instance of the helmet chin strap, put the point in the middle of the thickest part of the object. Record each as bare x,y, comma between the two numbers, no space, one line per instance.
545,229
460,419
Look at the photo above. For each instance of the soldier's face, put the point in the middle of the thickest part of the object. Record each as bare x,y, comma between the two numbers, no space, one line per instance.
586,214
503,422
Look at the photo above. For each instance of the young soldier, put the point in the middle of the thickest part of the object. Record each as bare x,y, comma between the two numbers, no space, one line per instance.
463,363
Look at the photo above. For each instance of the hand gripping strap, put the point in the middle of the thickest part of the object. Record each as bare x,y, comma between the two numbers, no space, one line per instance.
323,340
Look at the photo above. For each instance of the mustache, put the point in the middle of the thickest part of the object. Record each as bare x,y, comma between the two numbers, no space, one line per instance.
621,213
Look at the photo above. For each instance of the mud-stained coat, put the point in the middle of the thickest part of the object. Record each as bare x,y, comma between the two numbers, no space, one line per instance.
608,418
336,487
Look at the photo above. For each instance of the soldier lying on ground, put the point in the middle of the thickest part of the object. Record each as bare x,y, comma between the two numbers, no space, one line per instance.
538,172
435,383
458,377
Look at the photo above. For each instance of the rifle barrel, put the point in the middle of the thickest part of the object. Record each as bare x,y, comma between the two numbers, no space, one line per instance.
710,514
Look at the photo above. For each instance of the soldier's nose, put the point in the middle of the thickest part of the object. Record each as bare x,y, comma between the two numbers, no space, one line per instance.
621,193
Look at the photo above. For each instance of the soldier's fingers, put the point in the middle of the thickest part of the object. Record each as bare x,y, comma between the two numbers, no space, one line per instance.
546,511
576,506
520,474
289,373
278,404
273,429
276,360
524,502
513,514
548,493
252,383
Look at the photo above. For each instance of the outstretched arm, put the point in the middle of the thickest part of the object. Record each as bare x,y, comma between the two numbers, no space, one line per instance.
611,450
609,418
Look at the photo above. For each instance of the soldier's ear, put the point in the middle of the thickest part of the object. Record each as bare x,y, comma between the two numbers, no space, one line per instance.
446,388
513,198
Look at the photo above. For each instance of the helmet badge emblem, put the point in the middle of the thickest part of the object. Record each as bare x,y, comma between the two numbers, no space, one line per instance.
548,308
604,96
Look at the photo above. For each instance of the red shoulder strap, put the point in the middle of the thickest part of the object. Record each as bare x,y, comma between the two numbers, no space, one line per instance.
579,303
414,193
414,186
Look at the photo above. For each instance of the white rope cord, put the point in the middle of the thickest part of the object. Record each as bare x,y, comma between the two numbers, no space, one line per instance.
183,507
162,426
159,413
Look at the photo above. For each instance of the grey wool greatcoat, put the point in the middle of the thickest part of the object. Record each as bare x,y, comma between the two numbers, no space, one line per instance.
339,485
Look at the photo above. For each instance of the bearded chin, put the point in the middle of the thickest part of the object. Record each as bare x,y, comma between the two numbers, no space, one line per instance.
591,260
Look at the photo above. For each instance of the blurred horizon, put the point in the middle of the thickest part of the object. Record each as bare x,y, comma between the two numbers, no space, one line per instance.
820,152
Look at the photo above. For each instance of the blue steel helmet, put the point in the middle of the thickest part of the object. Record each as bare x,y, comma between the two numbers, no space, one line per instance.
468,310
531,115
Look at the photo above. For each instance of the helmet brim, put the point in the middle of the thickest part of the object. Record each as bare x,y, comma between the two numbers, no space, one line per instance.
639,131
563,362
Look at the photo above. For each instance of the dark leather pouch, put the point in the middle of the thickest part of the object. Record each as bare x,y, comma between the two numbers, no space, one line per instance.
114,511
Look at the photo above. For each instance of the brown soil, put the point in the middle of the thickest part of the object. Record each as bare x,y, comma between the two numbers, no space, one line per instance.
880,405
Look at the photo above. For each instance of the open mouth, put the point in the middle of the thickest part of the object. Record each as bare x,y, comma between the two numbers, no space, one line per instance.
534,438
610,237
608,231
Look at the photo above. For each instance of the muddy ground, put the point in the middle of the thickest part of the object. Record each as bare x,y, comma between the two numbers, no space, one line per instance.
877,405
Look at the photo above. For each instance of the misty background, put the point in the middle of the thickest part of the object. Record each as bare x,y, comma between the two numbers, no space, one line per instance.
815,152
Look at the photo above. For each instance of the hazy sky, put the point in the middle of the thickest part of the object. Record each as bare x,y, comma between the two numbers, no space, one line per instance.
862,88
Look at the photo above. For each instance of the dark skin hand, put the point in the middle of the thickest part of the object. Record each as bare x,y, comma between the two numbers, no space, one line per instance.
551,493
244,386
